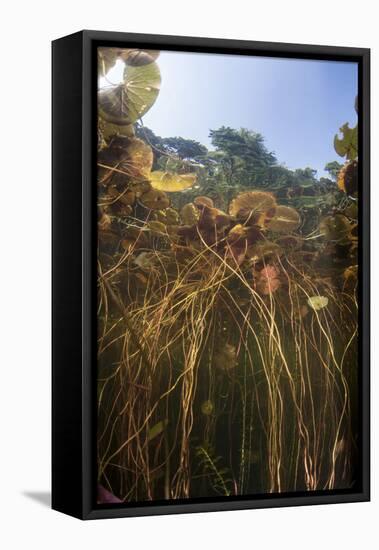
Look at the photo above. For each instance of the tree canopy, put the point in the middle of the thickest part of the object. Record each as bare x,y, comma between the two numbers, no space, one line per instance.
239,159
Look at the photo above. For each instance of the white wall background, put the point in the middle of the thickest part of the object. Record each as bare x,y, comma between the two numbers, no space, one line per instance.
26,31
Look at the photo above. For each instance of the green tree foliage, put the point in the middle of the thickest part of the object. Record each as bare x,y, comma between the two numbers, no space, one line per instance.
174,146
243,144
242,155
184,148
333,169
240,160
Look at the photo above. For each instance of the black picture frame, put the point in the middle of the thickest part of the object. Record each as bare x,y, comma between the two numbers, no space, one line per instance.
74,272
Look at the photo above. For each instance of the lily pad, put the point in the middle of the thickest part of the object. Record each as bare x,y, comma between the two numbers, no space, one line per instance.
127,102
207,407
140,157
290,242
351,272
347,179
255,206
336,228
285,219
318,302
347,146
106,59
189,214
110,130
172,216
125,158
155,199
157,229
137,58
171,183
264,250
203,202
351,211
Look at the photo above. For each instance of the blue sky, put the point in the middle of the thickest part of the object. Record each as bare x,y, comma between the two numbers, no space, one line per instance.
297,105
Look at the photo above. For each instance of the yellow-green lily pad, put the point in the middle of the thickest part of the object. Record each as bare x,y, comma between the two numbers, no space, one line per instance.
171,183
318,302
125,103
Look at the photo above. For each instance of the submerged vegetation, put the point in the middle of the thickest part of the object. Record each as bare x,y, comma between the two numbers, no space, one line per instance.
227,308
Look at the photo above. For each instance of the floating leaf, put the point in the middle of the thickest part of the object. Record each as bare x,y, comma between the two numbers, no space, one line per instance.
125,158
336,228
155,200
160,215
110,130
238,240
104,223
106,59
351,273
140,187
317,302
157,429
203,202
237,233
351,211
171,183
264,250
347,179
172,216
140,157
127,197
134,236
285,219
189,214
157,228
137,58
145,260
255,206
245,234
289,241
207,407
211,218
127,102
347,146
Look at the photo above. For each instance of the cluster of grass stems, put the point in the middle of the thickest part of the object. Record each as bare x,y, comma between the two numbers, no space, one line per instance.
280,418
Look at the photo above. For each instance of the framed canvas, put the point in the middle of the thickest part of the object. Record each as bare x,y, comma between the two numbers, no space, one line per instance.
210,275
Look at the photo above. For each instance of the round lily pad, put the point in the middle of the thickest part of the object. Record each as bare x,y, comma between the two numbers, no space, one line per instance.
171,183
255,206
137,58
106,59
155,200
285,219
125,103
